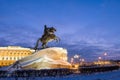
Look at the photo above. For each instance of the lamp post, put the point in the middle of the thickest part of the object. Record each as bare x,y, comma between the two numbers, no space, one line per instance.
72,60
105,54
99,60
83,60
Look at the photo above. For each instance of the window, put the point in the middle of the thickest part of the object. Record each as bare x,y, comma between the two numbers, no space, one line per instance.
10,58
28,53
6,58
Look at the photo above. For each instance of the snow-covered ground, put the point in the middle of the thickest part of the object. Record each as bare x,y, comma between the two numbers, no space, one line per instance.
114,75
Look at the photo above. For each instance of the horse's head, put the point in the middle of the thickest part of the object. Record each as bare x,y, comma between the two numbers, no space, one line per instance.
52,29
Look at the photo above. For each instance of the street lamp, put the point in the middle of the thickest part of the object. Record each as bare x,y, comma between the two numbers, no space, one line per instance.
99,58
72,60
105,54
82,60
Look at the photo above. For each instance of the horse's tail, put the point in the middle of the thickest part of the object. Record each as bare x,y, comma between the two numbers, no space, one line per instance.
37,43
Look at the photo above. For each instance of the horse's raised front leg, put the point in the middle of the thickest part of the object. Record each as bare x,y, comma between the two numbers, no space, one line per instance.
57,39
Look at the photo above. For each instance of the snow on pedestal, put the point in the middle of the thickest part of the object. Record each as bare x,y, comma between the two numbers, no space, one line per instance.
49,58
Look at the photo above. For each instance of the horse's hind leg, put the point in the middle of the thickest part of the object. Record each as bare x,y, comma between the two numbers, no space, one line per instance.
37,43
44,45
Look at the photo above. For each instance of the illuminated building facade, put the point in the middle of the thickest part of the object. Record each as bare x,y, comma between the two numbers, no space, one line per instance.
10,54
102,62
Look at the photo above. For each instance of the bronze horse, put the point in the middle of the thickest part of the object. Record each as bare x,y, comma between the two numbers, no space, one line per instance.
48,36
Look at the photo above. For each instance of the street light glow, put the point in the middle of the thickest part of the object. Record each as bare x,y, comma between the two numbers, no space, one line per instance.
76,56
82,60
99,58
105,54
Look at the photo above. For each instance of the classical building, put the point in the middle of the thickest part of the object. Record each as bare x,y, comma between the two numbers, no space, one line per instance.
10,54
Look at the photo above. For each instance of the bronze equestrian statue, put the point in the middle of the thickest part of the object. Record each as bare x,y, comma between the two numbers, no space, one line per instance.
48,36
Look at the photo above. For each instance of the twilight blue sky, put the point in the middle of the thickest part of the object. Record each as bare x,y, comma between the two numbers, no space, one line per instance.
85,24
